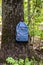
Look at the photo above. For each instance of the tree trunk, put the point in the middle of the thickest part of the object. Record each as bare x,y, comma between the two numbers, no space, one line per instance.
12,11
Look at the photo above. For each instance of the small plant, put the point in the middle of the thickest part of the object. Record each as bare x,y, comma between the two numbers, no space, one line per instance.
10,60
21,62
29,62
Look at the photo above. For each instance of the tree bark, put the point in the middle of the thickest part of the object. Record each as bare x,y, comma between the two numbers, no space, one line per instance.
12,11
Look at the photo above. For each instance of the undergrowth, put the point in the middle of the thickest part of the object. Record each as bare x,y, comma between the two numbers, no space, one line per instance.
27,61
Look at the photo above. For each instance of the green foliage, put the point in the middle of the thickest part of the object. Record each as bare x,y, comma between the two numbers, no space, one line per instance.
25,3
21,62
27,62
10,60
36,13
34,30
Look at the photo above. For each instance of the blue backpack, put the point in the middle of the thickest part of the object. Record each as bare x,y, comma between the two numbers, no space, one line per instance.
21,32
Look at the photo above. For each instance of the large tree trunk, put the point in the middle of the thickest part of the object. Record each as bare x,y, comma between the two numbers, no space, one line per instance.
12,11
